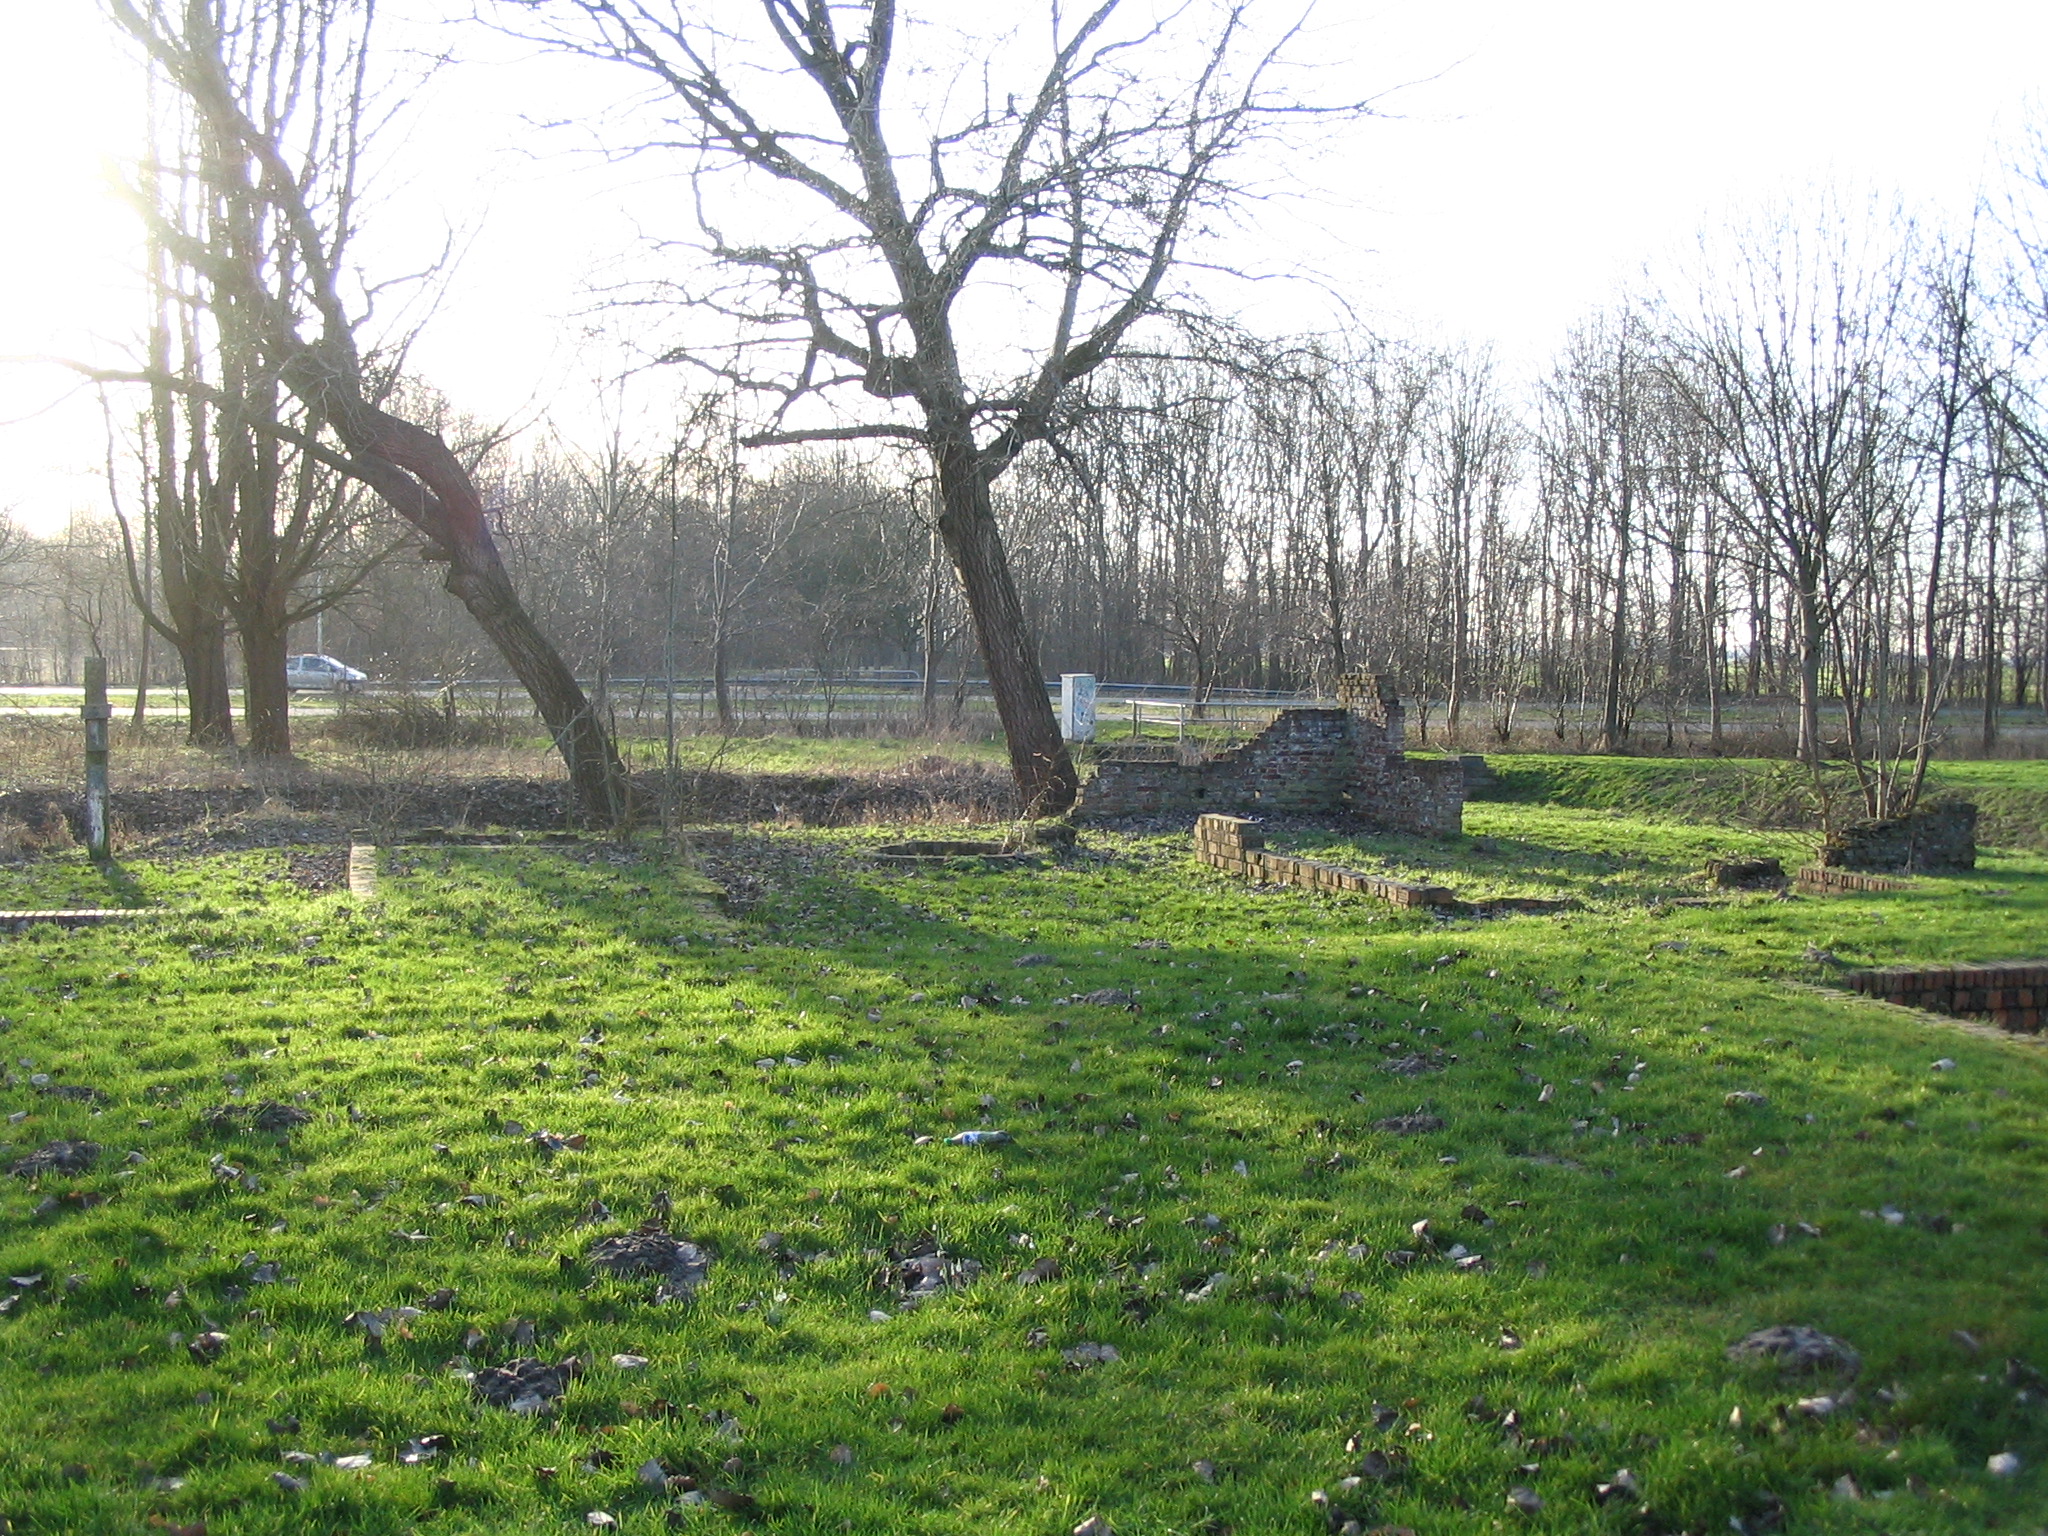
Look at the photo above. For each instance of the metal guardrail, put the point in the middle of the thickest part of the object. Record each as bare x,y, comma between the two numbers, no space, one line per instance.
1234,718
1119,706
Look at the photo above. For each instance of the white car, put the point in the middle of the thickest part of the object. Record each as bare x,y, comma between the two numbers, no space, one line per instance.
321,673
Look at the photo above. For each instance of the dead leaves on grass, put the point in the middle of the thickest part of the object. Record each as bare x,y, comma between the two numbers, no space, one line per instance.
69,1158
269,1117
681,1266
525,1386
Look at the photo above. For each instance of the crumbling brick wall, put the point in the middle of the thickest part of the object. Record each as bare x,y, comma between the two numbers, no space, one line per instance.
1940,838
1343,761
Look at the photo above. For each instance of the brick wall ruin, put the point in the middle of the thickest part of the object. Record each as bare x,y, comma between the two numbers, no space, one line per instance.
1936,839
2013,995
1237,846
1346,761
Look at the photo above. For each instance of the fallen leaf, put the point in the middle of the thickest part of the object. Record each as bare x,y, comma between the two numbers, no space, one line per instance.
1083,1355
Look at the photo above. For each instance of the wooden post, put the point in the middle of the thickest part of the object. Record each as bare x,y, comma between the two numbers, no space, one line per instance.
97,713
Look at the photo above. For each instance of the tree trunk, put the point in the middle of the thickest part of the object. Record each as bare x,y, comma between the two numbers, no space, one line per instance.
597,777
137,722
1046,781
443,503
927,693
1812,637
266,702
1994,644
1617,661
203,650
721,681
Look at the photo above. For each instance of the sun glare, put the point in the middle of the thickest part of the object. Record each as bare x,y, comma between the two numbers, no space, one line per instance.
69,114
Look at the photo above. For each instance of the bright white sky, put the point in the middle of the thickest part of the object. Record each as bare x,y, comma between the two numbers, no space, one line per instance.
1545,153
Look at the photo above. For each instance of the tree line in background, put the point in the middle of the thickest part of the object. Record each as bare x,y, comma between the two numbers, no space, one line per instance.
1826,486
1813,469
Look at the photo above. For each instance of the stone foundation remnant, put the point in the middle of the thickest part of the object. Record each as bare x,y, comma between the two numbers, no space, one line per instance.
1239,846
2012,994
1937,839
1349,761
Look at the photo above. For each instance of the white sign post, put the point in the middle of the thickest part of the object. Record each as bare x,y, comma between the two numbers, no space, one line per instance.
1077,706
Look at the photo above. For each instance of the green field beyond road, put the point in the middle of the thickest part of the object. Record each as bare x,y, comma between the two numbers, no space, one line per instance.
1193,1289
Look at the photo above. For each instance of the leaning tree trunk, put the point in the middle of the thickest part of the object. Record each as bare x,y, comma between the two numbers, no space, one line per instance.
595,772
414,472
1039,760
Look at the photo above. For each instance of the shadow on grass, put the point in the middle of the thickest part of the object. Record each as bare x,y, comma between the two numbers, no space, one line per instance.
1218,1118
122,886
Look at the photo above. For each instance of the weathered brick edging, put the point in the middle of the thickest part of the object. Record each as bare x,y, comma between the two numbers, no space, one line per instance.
2013,995
1239,846
1820,879
69,917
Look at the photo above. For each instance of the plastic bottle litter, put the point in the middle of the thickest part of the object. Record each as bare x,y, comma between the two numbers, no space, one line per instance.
980,1139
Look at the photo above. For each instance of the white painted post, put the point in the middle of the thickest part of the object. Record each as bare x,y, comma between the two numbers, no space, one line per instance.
1077,706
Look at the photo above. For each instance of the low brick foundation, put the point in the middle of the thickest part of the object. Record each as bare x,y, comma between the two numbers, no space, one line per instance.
2013,995
1825,879
69,917
1239,846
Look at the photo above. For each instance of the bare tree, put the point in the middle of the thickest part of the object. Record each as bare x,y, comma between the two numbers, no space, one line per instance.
1472,448
1061,204
1599,443
280,91
1788,366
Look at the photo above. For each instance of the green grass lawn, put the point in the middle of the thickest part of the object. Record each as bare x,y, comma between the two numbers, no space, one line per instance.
1195,1182
2011,796
808,754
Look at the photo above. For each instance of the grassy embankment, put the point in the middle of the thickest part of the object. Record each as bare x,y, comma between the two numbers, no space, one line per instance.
770,1071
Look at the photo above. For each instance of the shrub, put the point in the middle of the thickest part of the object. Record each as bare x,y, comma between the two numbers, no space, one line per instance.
408,722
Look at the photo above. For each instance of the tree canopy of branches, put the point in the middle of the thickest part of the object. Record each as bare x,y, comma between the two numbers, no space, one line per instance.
964,258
